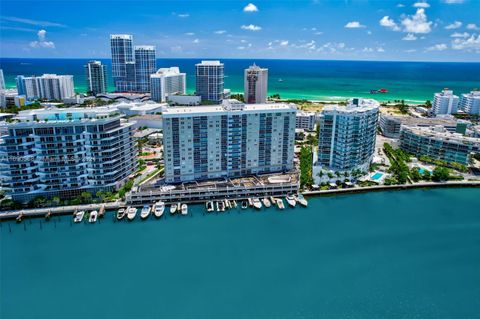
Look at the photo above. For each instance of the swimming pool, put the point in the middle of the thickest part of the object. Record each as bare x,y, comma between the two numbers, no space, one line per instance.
422,170
376,176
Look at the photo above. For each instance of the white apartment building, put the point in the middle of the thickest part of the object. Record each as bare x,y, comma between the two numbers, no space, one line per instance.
306,120
255,85
470,102
228,140
347,136
167,81
445,103
64,152
47,86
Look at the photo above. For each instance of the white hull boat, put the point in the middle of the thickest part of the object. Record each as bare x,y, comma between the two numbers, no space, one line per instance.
79,216
145,212
280,203
257,203
184,209
93,217
158,209
291,200
173,209
121,213
301,200
131,213
266,202
210,207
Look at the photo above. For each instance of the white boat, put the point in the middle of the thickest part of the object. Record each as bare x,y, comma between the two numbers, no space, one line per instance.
291,200
173,209
250,202
131,213
209,206
121,213
235,203
221,206
280,203
301,200
79,216
93,217
266,202
244,204
145,212
273,200
158,209
227,204
257,203
184,209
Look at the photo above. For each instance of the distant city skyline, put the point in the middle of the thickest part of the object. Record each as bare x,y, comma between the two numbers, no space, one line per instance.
423,30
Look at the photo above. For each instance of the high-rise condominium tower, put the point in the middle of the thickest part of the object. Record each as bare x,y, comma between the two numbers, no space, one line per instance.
255,83
210,80
123,64
96,74
145,65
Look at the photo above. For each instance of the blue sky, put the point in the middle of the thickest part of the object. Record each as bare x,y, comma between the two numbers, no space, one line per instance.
425,30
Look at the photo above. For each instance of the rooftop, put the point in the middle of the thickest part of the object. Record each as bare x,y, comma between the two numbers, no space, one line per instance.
440,132
355,105
210,62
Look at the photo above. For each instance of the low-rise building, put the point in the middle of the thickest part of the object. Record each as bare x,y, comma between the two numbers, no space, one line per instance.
305,120
64,152
184,100
390,125
148,120
11,98
140,108
438,143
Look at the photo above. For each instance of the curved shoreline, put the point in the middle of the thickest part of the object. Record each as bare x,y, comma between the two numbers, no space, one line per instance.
67,210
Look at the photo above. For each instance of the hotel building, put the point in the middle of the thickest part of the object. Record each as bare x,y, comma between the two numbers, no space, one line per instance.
145,65
209,76
96,74
255,85
64,152
445,103
436,142
470,102
165,82
347,135
47,86
229,140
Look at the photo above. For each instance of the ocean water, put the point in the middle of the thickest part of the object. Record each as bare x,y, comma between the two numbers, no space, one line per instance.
414,82
408,254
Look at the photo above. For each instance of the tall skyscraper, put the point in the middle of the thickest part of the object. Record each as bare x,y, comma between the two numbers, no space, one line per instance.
47,86
445,103
347,135
167,81
96,74
2,80
65,152
210,81
470,102
229,140
256,84
145,65
123,64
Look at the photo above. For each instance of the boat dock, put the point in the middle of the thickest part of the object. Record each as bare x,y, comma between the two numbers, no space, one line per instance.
55,211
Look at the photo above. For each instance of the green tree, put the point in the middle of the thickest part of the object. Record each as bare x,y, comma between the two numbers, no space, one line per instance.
440,174
86,197
415,174
306,165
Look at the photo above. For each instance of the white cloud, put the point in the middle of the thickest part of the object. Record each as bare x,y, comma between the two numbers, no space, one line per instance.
438,47
417,23
183,15
332,46
389,23
284,43
196,41
368,50
421,4
42,42
34,22
190,33
455,25
380,50
354,25
472,26
318,33
460,35
400,5
251,27
473,42
220,32
409,37
241,48
250,8
453,1
176,49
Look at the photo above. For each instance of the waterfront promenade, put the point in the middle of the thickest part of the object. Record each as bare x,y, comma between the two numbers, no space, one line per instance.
65,210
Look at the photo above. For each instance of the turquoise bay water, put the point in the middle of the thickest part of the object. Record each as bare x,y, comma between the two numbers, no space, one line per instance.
410,254
309,79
